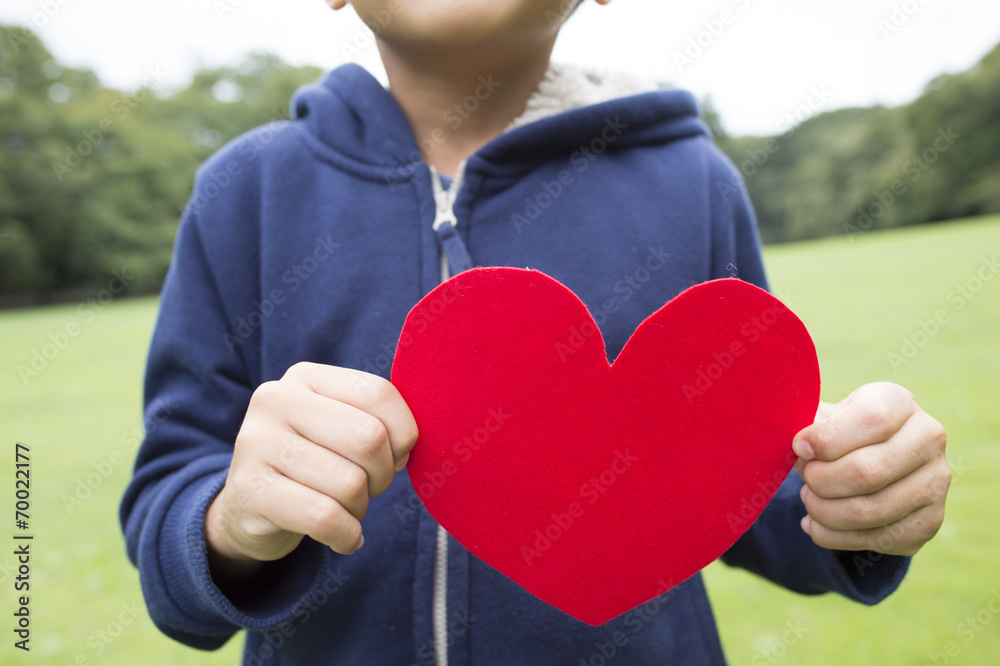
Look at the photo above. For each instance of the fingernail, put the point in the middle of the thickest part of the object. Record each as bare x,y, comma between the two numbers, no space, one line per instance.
401,465
802,493
806,525
360,543
803,449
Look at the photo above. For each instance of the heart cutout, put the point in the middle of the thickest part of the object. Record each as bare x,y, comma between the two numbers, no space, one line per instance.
560,470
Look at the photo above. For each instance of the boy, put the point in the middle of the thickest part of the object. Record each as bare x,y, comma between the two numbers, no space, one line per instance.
290,283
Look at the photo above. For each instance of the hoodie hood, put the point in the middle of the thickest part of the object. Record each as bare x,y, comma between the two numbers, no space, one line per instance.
348,114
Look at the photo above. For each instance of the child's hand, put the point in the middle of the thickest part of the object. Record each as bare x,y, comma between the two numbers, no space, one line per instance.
875,471
314,447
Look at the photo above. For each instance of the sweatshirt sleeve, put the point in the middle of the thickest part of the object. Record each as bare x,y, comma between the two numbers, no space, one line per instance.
197,389
775,546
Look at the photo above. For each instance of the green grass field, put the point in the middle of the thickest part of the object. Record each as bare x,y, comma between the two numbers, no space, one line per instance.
859,300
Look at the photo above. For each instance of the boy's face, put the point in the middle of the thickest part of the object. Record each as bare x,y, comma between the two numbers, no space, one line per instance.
462,22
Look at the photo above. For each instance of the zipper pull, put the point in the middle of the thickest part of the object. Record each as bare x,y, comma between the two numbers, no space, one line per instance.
455,256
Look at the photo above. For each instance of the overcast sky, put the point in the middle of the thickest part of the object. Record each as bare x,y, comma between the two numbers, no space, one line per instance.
765,61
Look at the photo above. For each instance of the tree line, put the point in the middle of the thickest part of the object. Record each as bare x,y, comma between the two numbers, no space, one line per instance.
94,180
855,170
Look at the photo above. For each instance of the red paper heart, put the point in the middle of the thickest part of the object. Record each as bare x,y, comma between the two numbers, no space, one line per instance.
597,487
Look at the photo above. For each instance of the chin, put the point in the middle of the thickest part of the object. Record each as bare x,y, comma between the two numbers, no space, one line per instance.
460,23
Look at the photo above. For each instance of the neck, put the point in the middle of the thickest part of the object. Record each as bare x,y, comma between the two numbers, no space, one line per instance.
455,104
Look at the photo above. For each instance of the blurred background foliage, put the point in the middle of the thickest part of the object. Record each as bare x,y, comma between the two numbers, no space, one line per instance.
832,164
94,179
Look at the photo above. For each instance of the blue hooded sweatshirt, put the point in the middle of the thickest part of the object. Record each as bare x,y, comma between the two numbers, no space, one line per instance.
310,240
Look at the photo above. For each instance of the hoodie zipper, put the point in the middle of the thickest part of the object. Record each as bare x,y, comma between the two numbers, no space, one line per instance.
439,600
454,255
454,259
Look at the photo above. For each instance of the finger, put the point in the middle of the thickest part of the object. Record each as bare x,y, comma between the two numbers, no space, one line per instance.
858,513
904,537
299,509
825,410
870,415
324,471
800,467
871,468
923,488
402,462
347,431
369,393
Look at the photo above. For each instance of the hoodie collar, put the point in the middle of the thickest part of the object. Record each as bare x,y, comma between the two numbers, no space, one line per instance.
348,116
567,87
